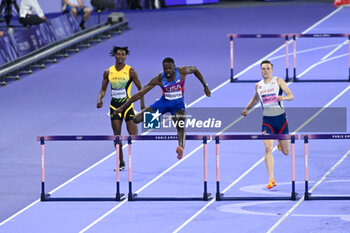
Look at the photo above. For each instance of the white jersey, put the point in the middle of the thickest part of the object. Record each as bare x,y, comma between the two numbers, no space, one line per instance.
27,7
268,93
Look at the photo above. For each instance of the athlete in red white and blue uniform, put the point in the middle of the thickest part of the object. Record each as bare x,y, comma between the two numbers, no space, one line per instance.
269,92
172,82
172,99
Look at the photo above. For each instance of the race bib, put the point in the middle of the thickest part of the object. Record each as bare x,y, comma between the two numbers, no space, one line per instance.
119,94
269,98
173,95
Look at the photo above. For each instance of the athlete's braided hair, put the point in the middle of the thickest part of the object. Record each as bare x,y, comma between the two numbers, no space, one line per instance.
113,52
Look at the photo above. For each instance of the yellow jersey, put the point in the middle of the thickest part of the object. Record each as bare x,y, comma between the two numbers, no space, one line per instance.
120,83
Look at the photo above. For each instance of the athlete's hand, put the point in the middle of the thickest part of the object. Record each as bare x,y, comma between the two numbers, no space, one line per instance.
207,91
117,111
99,104
280,98
244,112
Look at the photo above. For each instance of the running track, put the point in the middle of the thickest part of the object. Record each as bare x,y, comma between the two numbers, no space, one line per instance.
62,98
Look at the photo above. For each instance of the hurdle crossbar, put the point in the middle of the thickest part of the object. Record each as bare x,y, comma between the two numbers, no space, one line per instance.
306,137
135,197
218,138
47,196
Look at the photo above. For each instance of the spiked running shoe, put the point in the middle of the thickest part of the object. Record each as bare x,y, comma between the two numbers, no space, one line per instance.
271,184
121,167
180,152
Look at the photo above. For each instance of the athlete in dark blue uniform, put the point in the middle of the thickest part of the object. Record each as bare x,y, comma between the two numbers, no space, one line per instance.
172,81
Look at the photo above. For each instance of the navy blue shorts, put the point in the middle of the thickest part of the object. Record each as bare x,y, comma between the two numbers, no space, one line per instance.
79,10
172,106
275,124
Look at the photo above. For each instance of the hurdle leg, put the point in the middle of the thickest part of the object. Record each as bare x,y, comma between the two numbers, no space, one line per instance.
306,151
43,195
218,194
294,59
349,57
118,195
205,194
287,61
231,59
130,194
294,194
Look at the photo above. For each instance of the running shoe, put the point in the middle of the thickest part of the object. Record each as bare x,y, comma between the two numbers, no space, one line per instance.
272,183
121,167
180,152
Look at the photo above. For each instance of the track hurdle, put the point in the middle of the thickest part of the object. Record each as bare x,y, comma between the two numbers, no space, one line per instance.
318,35
292,138
307,194
257,36
47,197
135,197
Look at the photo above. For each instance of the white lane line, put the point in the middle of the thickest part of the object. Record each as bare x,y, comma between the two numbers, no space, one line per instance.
335,50
304,51
19,212
104,215
312,189
322,20
323,108
322,61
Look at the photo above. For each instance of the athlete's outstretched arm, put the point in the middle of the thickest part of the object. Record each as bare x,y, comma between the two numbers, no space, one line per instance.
149,86
137,82
103,89
252,102
193,70
283,85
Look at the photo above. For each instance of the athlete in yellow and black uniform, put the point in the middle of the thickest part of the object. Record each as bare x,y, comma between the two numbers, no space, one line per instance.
120,91
121,77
